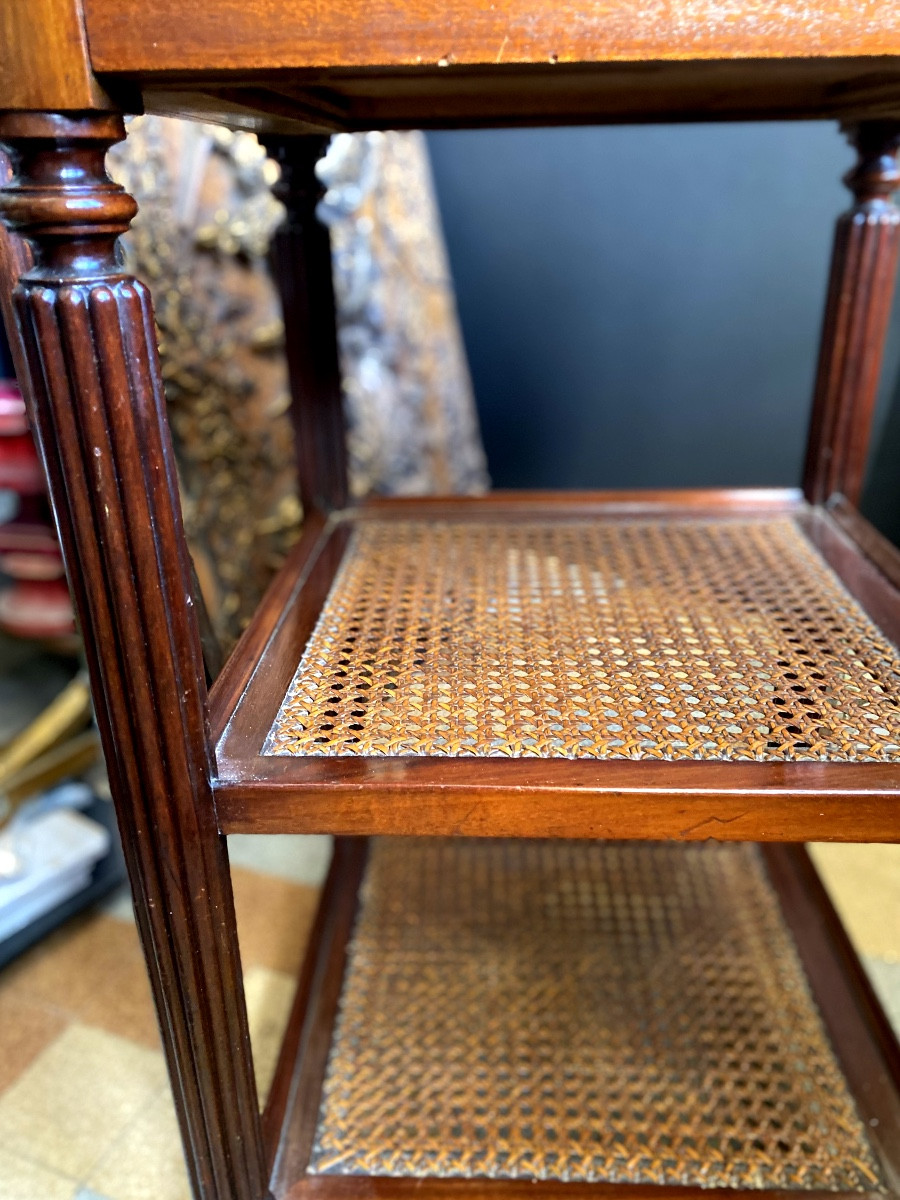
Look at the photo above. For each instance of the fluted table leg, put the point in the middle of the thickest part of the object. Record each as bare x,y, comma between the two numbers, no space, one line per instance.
857,311
89,359
301,250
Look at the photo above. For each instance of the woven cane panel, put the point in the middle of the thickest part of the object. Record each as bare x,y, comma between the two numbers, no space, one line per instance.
582,1011
657,639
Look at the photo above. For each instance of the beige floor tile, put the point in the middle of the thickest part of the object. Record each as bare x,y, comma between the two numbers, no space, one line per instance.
146,1161
274,918
300,858
24,1180
26,1028
885,979
864,884
118,905
270,995
93,971
76,1098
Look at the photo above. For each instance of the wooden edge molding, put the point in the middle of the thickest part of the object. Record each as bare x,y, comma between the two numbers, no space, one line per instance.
44,58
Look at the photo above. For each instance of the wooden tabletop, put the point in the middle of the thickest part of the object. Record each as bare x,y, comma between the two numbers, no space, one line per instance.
251,35
302,65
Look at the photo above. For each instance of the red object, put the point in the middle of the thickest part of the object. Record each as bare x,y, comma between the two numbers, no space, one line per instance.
13,418
35,602
37,609
20,468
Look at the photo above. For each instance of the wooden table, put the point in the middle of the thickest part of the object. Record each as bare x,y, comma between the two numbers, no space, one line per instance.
672,666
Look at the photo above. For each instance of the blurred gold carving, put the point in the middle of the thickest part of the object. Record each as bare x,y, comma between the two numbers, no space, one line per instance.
408,397
227,394
200,241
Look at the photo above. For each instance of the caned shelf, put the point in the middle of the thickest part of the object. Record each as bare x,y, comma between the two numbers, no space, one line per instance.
682,665
525,1017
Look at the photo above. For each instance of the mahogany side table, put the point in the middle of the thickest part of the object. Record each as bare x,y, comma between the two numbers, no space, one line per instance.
556,982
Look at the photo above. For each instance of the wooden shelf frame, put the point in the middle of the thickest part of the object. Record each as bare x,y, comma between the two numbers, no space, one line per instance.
609,798
87,358
862,1039
457,64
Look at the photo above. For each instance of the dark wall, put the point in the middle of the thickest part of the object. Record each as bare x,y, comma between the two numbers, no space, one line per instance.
641,306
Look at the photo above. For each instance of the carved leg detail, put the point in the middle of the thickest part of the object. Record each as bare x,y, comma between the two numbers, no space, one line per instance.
91,372
302,255
860,290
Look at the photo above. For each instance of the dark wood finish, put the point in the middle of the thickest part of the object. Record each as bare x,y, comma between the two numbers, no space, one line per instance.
91,376
683,801
213,657
249,683
366,1187
873,585
302,257
232,680
687,502
882,553
739,801
15,260
85,353
861,1036
857,311
304,1054
860,1033
293,101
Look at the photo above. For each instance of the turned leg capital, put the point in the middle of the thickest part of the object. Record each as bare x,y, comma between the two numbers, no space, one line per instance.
857,311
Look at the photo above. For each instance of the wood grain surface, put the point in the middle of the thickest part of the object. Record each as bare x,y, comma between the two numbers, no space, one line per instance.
323,99
229,35
284,65
44,61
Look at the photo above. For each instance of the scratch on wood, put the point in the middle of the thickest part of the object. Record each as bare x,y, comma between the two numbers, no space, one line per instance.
691,829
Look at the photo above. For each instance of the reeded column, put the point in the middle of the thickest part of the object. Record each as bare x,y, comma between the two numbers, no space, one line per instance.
857,311
301,250
90,371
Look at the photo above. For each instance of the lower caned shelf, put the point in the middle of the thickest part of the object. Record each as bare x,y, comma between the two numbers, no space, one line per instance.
482,1015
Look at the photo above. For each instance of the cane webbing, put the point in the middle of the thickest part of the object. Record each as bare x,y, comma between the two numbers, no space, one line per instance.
582,1011
669,639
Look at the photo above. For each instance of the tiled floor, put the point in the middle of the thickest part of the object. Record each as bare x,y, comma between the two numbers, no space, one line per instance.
85,1110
